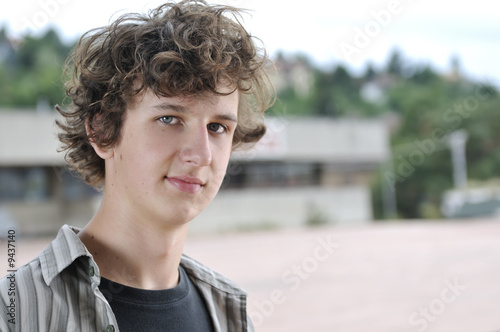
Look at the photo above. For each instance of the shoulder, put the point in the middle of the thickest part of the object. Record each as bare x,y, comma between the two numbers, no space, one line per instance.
225,300
51,285
27,274
17,290
200,273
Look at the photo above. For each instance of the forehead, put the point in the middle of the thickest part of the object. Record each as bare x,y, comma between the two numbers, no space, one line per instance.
226,103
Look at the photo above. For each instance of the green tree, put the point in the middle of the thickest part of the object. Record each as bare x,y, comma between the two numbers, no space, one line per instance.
431,108
35,73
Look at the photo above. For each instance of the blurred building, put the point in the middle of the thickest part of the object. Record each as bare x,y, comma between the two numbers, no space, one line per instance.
37,192
304,171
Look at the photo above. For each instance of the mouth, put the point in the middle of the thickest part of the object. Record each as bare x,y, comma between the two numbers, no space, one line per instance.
185,184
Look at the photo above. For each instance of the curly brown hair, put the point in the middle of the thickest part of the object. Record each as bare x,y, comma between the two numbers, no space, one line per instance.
178,49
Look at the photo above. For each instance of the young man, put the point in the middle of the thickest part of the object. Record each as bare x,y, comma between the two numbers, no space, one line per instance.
159,101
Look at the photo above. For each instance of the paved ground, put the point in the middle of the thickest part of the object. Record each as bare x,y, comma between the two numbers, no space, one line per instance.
401,277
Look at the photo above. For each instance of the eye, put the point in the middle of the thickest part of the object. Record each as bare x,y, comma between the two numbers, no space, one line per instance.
168,119
217,128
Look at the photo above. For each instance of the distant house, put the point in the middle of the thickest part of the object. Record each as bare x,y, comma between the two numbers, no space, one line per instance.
305,170
296,73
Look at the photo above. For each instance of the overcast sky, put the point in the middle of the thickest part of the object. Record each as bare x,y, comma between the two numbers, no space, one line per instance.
329,32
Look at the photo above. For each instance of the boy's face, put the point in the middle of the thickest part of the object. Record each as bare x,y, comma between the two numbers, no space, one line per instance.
172,156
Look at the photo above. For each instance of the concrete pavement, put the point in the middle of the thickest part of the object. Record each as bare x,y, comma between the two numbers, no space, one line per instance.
400,276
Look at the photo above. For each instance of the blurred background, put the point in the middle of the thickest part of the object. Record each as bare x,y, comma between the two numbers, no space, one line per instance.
383,140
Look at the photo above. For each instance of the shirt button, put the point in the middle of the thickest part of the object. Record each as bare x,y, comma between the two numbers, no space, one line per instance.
91,273
110,328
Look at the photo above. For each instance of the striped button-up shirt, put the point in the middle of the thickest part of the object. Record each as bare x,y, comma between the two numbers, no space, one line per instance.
59,291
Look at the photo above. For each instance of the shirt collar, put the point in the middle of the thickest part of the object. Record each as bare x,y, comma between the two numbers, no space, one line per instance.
67,247
204,274
62,252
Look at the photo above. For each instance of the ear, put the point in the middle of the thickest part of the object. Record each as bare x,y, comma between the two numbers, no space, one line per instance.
103,152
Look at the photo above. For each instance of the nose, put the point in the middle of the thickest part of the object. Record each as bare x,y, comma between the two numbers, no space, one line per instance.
195,147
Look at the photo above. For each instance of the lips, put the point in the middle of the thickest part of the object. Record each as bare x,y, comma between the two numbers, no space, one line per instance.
186,184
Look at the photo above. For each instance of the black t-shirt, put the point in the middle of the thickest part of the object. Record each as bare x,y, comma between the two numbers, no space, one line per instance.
177,309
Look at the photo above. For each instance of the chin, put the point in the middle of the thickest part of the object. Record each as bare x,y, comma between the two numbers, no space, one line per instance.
181,216
180,209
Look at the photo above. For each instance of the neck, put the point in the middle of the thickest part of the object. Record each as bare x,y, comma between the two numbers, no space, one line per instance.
134,252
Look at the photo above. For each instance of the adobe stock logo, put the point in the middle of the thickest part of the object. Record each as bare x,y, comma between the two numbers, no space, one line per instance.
48,10
426,315
293,278
371,29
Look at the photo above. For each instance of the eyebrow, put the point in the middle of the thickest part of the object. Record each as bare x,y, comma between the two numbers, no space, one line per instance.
170,107
183,109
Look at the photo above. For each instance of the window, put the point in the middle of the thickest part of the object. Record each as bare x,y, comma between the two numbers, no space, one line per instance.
271,174
24,184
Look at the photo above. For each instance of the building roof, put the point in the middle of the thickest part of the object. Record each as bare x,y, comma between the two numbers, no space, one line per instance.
345,140
28,138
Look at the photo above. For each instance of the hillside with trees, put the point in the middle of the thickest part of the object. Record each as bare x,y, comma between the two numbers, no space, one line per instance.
427,106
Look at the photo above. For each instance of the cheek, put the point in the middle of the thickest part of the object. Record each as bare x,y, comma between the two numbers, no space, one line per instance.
221,160
141,153
154,144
